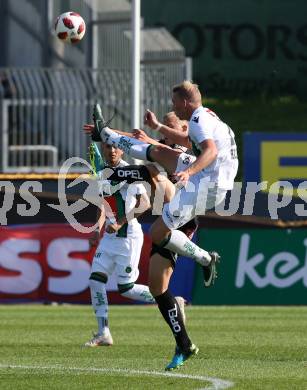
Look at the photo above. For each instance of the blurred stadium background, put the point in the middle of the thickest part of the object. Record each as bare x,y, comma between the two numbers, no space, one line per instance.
249,58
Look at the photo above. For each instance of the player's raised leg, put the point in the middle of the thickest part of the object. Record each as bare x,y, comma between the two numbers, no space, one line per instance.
176,241
161,154
137,292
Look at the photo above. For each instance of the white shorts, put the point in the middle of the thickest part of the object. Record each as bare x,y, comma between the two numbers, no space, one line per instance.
121,255
184,160
196,198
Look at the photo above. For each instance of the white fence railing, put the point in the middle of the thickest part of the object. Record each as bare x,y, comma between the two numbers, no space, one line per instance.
43,110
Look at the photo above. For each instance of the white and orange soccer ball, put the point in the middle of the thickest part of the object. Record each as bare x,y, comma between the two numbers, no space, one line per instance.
70,27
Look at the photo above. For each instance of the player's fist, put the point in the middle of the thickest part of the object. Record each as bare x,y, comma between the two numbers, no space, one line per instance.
151,120
182,177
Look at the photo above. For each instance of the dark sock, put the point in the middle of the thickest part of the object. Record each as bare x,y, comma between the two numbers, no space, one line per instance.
130,173
170,310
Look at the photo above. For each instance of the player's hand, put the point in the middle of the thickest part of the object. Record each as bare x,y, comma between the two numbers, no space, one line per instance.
151,120
141,135
94,239
113,228
182,177
88,129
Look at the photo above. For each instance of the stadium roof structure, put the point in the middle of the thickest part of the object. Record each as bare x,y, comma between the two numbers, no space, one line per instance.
159,45
111,7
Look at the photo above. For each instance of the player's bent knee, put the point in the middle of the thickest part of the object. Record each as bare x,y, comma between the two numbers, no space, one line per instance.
123,288
165,253
99,277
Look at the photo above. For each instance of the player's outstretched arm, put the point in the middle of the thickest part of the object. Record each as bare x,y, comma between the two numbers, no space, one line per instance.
89,129
142,136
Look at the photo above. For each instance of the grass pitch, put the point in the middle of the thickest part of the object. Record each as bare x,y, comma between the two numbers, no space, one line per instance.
252,347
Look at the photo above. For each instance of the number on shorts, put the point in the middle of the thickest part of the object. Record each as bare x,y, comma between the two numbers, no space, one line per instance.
233,147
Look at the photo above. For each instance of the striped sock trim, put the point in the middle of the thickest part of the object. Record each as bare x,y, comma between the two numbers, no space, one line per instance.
99,277
148,150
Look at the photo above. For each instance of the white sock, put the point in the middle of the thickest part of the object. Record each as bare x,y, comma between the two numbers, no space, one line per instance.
131,146
139,292
100,304
179,243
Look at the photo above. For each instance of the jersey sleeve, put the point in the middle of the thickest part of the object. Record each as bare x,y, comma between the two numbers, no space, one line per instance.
201,128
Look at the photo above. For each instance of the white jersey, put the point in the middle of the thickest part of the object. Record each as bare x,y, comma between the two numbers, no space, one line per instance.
205,124
120,201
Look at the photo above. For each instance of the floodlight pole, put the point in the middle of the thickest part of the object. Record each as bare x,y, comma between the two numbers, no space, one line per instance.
94,37
136,59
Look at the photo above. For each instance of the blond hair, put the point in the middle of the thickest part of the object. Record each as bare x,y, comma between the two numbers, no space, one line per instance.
188,91
171,116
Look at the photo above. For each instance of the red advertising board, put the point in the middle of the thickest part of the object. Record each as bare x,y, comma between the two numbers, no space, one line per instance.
51,263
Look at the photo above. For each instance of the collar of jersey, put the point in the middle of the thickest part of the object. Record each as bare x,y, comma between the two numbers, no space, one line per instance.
116,166
198,109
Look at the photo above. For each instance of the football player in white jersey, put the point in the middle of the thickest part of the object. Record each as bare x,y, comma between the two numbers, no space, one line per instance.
206,179
207,176
120,248
121,244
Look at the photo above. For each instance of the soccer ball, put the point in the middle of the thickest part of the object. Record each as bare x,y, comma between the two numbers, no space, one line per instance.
70,27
